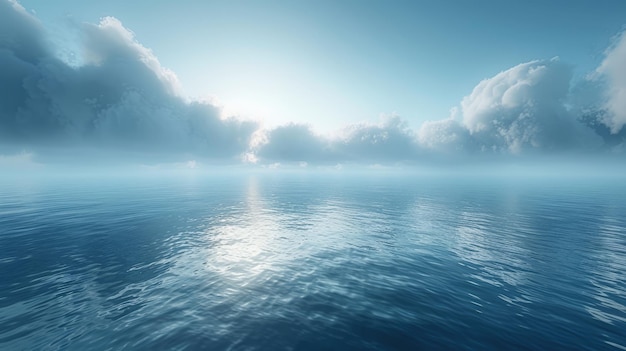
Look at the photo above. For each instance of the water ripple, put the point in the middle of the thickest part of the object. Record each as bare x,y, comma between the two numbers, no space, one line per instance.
302,263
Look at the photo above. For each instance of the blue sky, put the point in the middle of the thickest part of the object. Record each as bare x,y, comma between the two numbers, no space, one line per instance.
271,82
329,63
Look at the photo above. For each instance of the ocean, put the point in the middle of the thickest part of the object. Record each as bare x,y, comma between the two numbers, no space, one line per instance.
305,261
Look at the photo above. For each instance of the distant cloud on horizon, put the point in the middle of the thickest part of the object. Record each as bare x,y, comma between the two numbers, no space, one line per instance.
120,100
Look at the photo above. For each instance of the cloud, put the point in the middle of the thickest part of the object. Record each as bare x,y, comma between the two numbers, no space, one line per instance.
445,136
295,143
391,140
111,45
119,99
613,71
523,109
527,109
21,33
121,102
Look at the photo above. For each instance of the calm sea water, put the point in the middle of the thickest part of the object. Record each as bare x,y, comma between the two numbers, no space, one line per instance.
303,262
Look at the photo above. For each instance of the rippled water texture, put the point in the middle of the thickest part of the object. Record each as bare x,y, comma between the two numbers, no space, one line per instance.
311,263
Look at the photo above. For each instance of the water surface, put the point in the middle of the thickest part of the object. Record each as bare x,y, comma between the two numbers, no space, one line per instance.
303,262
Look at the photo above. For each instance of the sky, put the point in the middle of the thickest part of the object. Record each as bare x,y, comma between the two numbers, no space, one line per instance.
336,62
308,82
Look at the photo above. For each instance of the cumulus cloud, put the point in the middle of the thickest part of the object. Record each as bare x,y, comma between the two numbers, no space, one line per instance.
120,98
523,108
613,70
391,140
295,143
110,44
445,136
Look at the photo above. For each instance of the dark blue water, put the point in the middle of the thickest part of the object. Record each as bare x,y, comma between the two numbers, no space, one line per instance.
266,262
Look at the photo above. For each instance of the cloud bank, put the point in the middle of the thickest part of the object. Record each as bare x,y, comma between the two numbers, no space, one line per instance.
120,100
391,140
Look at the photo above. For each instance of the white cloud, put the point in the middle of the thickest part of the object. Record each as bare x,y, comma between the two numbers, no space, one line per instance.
110,40
613,69
446,135
294,143
120,99
389,140
522,108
